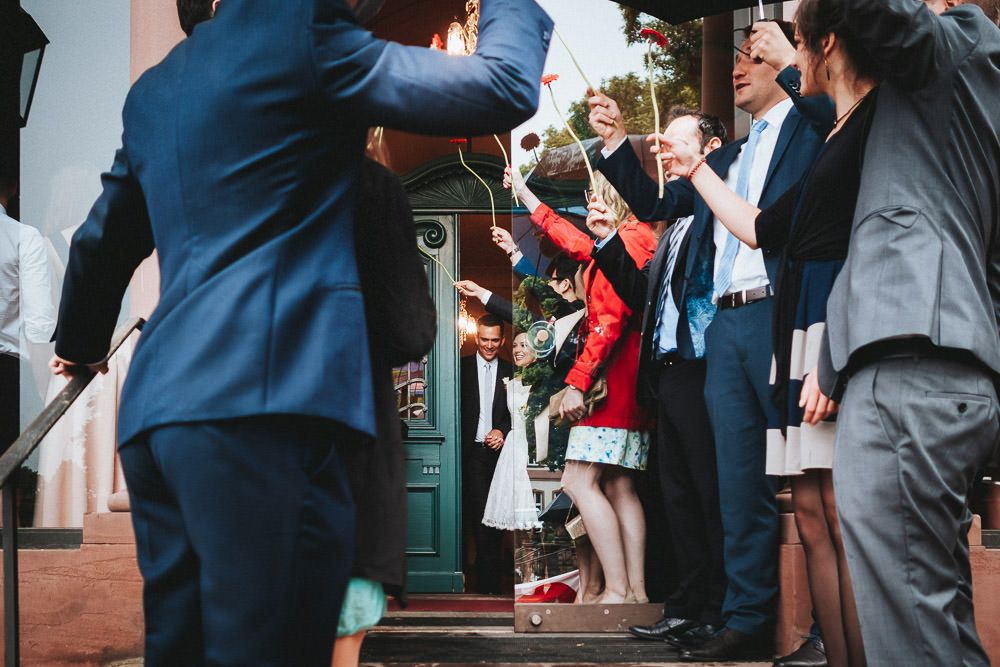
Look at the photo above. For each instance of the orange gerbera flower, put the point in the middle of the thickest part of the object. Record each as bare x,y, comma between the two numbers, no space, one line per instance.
549,78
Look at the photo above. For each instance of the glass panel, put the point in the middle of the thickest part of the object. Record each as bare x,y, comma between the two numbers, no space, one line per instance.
410,382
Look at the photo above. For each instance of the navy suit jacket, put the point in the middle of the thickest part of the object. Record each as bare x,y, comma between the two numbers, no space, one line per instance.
800,140
239,165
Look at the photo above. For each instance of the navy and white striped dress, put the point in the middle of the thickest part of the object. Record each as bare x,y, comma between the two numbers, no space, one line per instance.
811,225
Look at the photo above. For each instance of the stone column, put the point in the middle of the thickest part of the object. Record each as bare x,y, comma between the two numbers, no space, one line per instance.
155,30
717,69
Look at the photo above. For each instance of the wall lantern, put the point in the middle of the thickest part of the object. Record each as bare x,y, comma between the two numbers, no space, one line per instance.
23,45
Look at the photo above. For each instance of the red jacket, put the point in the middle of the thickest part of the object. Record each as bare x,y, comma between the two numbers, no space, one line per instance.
613,332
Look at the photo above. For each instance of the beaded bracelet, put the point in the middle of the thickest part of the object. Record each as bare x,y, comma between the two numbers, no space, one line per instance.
695,168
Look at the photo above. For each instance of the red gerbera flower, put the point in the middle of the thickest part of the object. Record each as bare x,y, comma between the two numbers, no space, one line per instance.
436,43
656,36
549,78
458,141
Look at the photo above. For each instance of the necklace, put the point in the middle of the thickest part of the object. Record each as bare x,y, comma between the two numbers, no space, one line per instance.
853,107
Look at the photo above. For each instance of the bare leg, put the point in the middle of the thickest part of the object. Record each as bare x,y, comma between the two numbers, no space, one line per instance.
619,488
591,580
848,607
347,650
581,482
821,564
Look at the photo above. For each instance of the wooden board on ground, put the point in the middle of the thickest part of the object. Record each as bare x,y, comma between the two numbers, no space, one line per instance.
584,617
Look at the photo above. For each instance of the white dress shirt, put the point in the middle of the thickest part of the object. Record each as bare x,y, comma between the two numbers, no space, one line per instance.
26,310
749,270
486,390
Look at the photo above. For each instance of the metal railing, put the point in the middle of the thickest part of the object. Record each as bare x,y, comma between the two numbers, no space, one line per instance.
10,462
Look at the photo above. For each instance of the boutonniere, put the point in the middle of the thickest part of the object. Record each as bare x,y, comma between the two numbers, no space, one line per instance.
506,381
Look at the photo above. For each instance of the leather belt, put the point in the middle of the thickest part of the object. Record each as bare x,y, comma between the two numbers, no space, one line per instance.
746,297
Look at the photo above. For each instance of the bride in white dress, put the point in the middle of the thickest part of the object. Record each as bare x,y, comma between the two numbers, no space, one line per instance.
511,504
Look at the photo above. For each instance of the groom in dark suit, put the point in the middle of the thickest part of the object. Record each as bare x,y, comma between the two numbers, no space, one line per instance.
485,425
239,165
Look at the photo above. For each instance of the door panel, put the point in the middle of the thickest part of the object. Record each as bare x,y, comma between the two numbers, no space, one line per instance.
427,397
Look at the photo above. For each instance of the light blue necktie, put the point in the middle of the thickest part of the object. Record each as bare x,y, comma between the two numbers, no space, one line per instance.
724,278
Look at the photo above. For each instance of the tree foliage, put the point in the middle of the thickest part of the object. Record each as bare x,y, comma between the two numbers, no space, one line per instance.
678,81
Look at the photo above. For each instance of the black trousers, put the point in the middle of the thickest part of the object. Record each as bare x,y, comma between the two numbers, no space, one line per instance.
478,464
690,486
10,400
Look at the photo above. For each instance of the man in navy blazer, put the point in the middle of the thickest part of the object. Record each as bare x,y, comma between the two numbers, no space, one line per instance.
737,345
239,165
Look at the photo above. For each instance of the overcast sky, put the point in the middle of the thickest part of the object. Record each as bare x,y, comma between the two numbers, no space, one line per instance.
593,30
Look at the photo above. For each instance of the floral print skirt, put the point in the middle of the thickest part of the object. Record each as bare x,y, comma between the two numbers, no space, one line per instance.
612,446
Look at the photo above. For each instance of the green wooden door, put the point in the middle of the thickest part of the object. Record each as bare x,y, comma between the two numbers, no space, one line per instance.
428,398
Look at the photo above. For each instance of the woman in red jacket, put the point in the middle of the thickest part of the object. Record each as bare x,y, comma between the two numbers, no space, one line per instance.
605,446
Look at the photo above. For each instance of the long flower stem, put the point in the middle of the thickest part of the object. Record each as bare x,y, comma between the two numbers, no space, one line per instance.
656,114
573,58
583,151
438,262
493,206
506,161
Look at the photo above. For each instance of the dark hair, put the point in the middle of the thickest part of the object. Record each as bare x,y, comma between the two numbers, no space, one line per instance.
787,28
991,8
490,320
818,18
562,267
193,12
709,126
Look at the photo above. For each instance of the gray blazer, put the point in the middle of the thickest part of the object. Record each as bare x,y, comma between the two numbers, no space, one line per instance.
924,257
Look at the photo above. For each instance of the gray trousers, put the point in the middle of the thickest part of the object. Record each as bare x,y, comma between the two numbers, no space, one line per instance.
911,435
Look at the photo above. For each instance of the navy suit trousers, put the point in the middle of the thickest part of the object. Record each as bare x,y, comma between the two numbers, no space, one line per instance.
737,391
244,532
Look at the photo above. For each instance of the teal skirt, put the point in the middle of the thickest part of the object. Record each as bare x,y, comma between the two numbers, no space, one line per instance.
364,606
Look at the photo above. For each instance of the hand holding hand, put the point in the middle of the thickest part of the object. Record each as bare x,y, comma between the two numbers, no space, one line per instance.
770,45
494,439
817,406
469,288
572,408
60,366
600,220
606,120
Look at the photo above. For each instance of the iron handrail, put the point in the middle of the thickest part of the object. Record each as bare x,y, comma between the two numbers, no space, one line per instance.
11,461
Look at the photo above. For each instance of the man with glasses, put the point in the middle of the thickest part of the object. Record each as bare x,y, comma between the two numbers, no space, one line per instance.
728,284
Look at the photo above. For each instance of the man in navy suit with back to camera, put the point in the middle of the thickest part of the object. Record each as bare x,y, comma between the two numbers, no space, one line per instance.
728,284
239,164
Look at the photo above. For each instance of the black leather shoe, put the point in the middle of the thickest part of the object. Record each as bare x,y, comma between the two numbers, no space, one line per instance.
662,629
695,637
732,646
810,654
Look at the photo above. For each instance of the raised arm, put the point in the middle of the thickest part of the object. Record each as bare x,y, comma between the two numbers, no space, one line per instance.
737,214
422,90
106,251
622,169
910,41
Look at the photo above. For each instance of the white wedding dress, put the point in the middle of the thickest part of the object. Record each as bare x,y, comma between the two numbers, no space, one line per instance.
511,504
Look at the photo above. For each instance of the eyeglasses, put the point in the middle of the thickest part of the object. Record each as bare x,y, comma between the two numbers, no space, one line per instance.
746,55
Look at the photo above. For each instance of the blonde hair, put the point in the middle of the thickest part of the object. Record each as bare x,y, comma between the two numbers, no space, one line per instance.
612,199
